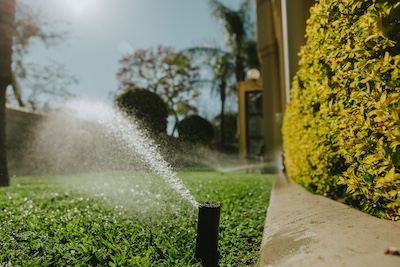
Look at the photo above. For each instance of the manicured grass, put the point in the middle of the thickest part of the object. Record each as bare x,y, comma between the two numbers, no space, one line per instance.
124,219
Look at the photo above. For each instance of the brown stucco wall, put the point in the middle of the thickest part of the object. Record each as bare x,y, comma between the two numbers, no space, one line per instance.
270,42
21,125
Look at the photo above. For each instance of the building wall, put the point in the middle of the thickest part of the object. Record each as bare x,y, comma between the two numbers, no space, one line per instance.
21,125
297,13
270,50
280,33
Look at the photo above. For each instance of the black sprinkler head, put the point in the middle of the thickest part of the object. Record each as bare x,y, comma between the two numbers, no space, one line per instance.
207,234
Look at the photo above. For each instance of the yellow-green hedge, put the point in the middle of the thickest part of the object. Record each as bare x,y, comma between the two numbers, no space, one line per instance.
341,130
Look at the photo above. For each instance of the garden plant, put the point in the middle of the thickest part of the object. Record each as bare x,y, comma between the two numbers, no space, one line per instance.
147,107
342,130
195,129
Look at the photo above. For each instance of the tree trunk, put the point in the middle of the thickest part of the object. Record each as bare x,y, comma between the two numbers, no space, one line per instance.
175,125
239,69
7,17
222,126
4,178
17,91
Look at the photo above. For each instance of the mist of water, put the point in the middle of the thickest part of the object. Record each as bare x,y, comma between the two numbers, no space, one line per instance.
92,136
226,163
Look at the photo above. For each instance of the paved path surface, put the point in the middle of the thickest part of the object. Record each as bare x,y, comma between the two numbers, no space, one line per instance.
303,229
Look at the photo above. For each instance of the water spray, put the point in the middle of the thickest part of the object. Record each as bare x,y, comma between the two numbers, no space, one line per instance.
207,234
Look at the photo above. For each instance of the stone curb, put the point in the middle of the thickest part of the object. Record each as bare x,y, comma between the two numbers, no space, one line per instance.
303,229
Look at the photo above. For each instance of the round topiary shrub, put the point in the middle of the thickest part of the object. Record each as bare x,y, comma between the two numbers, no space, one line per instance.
341,130
146,106
196,130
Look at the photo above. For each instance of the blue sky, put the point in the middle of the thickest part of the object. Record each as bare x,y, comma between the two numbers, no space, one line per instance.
100,30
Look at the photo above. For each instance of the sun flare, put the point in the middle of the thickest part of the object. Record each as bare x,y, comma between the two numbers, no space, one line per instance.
79,6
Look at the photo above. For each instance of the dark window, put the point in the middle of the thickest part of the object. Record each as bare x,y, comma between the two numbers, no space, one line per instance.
254,129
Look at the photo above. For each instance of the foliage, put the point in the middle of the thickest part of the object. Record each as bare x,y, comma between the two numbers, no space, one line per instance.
33,83
146,106
31,25
230,135
45,84
342,129
83,221
165,72
239,30
230,64
222,83
195,129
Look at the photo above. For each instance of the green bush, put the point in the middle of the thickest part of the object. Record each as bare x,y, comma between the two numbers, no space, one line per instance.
231,142
341,130
196,130
146,106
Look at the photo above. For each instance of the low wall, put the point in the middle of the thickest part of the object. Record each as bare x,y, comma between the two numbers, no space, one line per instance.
21,125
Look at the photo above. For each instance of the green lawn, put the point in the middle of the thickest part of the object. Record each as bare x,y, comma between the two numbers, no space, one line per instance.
125,219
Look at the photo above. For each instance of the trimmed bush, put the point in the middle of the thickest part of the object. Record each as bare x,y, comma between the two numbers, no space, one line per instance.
231,142
196,130
146,106
341,130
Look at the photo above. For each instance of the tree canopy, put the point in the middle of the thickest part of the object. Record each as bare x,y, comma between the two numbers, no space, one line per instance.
35,86
145,106
230,64
240,35
165,72
196,130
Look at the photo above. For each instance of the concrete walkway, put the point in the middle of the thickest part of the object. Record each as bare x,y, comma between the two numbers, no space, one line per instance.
303,229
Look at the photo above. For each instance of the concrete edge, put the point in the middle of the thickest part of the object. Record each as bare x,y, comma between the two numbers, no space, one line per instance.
303,229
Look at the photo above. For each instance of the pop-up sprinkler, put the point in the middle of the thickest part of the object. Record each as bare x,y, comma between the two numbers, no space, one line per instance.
207,234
